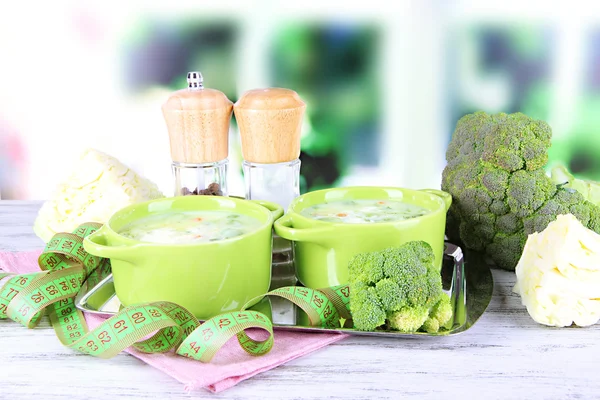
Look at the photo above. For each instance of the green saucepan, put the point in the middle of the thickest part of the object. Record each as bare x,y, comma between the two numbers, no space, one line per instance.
323,249
207,278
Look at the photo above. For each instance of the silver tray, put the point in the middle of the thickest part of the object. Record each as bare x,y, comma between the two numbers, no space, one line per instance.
467,279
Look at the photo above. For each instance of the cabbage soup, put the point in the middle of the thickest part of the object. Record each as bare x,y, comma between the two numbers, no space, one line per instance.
363,211
190,227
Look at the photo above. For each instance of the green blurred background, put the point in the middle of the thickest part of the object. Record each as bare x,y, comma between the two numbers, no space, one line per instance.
384,87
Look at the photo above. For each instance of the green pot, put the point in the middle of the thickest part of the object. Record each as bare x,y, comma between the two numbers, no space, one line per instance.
207,278
322,249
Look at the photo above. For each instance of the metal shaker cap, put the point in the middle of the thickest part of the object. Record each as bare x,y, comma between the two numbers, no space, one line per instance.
194,80
197,97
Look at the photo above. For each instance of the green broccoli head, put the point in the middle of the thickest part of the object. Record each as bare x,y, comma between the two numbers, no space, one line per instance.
400,286
495,174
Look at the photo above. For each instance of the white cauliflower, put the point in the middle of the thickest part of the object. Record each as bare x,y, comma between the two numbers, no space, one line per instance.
558,275
99,186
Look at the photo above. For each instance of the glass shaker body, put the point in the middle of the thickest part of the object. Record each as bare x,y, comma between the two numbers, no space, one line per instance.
279,183
202,178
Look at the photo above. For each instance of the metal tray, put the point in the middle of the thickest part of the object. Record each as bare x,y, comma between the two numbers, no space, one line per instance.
466,279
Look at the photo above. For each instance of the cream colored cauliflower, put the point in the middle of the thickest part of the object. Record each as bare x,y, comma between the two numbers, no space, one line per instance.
558,275
98,186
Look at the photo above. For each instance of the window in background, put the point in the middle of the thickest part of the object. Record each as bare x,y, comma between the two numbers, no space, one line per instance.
162,52
155,55
333,68
540,70
579,147
13,163
499,68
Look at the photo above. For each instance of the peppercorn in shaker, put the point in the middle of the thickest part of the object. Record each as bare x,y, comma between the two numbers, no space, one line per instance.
197,120
270,121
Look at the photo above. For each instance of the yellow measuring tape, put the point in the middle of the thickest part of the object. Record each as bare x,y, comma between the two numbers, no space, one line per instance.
66,265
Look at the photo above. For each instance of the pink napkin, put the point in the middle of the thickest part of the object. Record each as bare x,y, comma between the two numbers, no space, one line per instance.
231,364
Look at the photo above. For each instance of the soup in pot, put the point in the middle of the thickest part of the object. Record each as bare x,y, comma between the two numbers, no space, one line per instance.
190,227
363,211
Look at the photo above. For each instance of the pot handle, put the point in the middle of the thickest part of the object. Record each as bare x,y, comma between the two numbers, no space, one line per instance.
447,197
95,244
276,209
283,227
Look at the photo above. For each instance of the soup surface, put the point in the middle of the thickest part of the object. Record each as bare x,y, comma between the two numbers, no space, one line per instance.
190,227
363,211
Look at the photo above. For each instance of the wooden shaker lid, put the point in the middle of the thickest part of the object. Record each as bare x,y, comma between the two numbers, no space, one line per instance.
198,123
270,122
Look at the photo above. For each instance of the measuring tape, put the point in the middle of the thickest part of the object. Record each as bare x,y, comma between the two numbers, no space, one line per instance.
66,265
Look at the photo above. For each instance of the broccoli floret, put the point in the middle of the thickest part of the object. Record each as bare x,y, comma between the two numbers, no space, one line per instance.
366,309
408,319
439,316
392,297
370,268
495,174
528,191
401,286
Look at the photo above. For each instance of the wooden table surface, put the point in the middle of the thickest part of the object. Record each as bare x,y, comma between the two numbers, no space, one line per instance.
506,355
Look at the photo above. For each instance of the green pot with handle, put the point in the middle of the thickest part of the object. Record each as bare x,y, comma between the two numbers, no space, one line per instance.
207,278
323,249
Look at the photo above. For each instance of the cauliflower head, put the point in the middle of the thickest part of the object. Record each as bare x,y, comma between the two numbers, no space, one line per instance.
558,275
98,186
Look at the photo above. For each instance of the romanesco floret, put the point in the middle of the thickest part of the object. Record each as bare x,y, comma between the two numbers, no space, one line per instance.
501,193
399,286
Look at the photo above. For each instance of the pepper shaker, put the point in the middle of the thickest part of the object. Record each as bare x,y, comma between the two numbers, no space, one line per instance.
270,123
197,120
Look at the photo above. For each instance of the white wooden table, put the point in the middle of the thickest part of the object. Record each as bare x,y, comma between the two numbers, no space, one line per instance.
506,355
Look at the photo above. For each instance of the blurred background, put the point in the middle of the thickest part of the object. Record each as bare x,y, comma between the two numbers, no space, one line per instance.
384,84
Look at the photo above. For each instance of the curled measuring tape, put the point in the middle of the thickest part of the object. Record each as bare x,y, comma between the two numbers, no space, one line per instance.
155,327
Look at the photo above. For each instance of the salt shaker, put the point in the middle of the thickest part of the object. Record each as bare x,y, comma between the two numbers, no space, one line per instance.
197,120
270,123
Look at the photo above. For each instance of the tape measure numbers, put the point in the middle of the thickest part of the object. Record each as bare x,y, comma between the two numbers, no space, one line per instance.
66,265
